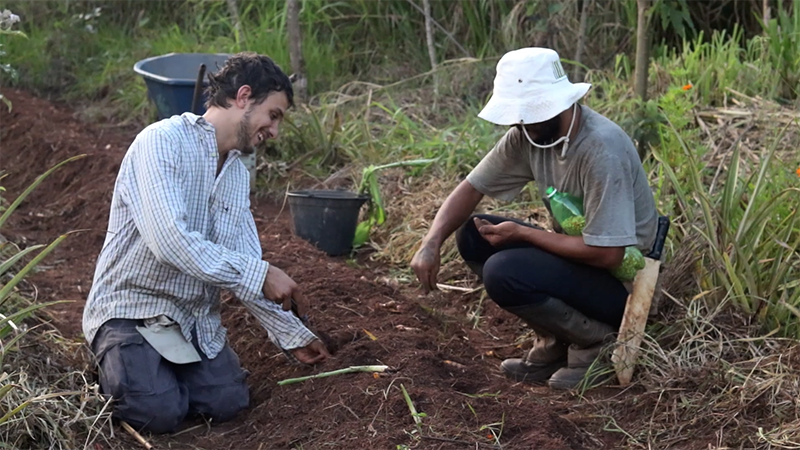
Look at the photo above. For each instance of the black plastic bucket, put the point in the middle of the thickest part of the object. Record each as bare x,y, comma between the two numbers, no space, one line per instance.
326,218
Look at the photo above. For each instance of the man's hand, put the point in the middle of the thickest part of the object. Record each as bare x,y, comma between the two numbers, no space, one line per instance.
281,289
499,235
313,353
426,265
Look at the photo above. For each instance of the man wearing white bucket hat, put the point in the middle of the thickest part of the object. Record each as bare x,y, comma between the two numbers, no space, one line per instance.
559,285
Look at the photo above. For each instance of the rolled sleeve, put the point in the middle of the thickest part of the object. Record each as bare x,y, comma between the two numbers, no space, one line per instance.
285,330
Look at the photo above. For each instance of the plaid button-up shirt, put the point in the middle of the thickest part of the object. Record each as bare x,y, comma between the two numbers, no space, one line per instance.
178,234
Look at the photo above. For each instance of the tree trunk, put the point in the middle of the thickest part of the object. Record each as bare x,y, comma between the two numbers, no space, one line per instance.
642,44
296,49
233,10
426,6
576,71
642,60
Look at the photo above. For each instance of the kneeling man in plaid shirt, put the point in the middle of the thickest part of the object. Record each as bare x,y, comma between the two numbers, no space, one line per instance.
180,230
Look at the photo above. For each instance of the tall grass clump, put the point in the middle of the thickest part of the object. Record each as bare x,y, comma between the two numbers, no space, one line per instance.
782,44
45,404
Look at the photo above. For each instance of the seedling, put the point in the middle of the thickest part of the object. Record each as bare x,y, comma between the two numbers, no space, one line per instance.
376,214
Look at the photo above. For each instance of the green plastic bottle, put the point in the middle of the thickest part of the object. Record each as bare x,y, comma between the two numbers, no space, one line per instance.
564,207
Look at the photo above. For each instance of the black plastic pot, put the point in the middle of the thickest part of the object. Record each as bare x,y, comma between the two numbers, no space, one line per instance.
326,218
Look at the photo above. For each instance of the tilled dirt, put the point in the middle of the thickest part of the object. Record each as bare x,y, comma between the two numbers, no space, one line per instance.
448,366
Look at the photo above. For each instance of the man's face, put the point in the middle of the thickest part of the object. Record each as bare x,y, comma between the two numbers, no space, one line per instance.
544,133
261,121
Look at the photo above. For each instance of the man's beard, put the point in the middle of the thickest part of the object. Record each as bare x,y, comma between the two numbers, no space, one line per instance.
244,135
546,132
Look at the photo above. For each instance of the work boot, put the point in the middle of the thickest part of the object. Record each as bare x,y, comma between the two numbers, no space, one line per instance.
567,324
579,362
540,362
564,322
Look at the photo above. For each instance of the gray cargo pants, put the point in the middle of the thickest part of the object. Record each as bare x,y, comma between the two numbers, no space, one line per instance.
156,395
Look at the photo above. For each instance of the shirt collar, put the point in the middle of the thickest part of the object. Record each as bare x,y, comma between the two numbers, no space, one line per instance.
200,121
194,119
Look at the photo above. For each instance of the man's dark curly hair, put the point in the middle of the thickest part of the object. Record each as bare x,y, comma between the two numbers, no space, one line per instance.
247,68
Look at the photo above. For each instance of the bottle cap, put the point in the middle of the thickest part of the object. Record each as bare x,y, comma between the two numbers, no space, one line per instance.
551,191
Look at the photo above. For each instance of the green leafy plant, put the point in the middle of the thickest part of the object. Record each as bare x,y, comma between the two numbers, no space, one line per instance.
8,323
750,234
369,185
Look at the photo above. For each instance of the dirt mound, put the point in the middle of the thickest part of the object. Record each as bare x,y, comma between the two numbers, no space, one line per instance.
448,367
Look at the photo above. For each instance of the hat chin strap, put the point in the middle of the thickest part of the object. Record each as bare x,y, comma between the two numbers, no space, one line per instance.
564,139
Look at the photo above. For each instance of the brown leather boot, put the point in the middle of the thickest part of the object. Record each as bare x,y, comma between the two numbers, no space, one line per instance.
540,362
564,322
579,363
569,325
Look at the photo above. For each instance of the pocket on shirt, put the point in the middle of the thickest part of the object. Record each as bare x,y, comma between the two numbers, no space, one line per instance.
226,220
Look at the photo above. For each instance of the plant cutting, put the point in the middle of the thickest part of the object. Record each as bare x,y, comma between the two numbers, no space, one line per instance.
376,214
351,369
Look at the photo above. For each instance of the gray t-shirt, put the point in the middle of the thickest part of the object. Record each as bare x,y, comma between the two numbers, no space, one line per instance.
601,166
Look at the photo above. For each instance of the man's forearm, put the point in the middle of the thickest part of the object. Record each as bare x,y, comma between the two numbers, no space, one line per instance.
455,210
573,248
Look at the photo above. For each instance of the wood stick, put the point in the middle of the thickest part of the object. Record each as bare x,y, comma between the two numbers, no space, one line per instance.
447,287
576,70
296,49
443,29
631,331
135,435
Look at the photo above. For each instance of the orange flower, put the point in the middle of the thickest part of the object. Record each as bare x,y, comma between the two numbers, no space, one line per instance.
798,171
686,87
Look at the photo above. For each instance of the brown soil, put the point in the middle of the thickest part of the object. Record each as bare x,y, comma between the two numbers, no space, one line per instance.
448,367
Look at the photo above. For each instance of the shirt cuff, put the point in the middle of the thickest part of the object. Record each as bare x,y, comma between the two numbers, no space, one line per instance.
253,276
285,329
609,241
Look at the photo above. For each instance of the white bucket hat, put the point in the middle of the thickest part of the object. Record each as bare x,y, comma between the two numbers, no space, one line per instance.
531,86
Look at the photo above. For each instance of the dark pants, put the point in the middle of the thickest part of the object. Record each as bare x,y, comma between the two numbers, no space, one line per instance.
156,395
521,274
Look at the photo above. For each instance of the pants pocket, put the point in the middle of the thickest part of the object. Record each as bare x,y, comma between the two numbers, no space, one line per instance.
128,364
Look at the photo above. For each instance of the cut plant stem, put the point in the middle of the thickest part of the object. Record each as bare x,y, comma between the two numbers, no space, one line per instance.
411,408
351,369
135,435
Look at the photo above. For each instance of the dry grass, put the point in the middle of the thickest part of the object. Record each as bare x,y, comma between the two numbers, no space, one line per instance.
751,122
704,380
64,408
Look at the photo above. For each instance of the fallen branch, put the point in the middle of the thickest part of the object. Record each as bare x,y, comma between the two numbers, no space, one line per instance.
447,287
351,369
135,435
